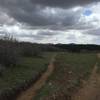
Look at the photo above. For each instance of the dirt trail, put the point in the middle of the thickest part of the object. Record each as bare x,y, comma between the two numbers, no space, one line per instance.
31,92
90,90
98,55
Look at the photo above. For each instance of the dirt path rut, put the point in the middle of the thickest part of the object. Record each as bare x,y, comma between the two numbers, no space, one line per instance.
90,90
30,93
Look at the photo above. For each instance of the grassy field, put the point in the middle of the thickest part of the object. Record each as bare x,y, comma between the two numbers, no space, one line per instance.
98,64
28,69
71,70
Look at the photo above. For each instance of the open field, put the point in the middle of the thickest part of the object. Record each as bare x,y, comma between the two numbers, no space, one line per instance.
91,89
72,70
28,70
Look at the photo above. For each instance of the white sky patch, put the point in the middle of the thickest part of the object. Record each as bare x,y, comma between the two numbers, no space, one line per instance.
72,36
26,39
96,40
79,38
16,30
75,9
94,18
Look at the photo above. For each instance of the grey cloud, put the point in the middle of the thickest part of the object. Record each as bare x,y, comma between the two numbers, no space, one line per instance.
72,38
95,32
24,11
48,33
2,33
5,19
40,34
50,15
24,35
62,3
37,19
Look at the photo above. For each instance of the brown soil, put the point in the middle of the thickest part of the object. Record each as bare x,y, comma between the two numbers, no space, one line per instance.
30,93
91,89
98,55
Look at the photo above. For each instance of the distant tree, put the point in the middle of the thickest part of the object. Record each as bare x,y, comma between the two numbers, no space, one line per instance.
9,37
8,52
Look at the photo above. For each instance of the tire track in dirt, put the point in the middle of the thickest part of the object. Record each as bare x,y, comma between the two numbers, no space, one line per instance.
30,93
90,90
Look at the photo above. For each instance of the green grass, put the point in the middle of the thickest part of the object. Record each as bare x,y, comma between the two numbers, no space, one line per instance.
79,63
28,68
98,64
70,70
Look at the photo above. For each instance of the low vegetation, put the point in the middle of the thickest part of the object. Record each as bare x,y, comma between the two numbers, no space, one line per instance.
18,78
71,70
9,54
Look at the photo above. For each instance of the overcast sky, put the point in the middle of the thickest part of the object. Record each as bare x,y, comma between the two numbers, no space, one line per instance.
51,21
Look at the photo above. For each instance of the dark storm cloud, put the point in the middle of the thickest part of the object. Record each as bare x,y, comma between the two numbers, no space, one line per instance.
31,12
39,18
62,3
44,19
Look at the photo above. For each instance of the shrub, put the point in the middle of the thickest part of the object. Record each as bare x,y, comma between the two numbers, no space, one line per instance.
30,50
8,53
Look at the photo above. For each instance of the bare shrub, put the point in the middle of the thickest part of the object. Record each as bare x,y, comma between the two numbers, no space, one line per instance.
8,52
